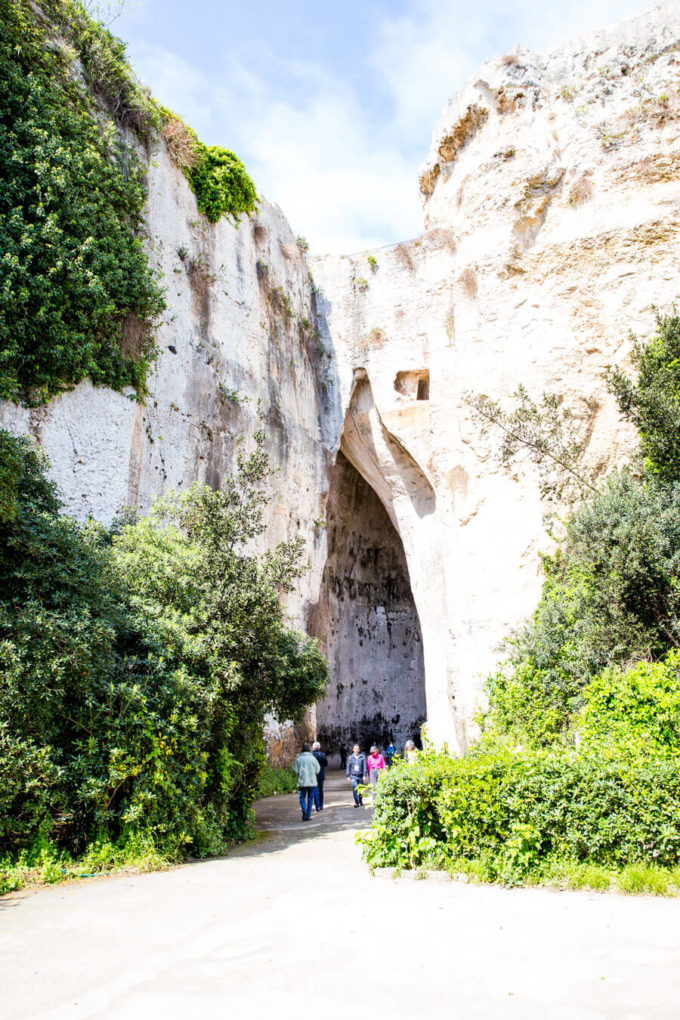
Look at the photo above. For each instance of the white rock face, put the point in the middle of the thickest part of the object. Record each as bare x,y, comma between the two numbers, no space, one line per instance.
552,208
234,337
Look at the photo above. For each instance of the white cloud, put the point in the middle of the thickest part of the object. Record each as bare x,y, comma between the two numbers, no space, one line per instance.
343,171
425,55
340,183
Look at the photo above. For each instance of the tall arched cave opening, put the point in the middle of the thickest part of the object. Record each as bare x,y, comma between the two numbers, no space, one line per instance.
367,623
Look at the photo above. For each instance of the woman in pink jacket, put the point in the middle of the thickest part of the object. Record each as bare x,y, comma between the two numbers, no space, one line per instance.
375,764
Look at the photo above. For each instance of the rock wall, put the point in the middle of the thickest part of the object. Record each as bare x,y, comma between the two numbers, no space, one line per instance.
552,207
368,624
552,212
237,341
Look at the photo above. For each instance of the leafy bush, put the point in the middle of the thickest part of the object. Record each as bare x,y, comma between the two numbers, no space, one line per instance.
77,296
276,780
611,596
652,401
217,176
637,710
515,813
221,184
136,668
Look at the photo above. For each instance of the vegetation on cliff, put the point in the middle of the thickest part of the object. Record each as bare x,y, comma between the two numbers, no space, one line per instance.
77,294
136,669
577,764
217,176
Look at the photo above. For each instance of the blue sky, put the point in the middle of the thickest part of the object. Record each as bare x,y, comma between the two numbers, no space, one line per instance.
332,105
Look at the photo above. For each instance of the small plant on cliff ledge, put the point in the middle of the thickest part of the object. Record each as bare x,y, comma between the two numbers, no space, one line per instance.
221,184
468,281
581,190
216,175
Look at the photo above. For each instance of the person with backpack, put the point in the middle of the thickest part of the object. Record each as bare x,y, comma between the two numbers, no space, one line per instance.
306,768
356,773
323,762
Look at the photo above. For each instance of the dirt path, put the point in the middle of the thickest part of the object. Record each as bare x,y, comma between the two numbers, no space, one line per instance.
295,924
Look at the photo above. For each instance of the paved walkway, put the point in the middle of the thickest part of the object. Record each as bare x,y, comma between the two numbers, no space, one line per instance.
294,924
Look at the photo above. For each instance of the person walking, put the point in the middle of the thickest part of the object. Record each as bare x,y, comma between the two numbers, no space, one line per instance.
390,754
375,764
306,768
411,752
323,762
356,773
344,751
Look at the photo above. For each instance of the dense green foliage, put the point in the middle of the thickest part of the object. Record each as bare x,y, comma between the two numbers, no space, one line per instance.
136,667
513,813
611,596
652,401
77,296
217,177
277,780
221,184
637,710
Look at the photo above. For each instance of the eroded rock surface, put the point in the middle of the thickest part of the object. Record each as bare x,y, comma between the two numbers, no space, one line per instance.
552,208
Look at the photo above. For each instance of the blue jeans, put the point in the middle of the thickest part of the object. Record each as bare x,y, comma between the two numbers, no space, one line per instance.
356,781
306,800
318,795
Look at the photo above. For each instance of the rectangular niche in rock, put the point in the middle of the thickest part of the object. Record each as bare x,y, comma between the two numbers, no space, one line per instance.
414,384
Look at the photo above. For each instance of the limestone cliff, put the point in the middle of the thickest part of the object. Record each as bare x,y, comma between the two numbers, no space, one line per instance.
552,205
552,202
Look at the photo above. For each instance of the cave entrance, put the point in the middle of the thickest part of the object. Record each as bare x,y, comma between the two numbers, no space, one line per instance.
367,623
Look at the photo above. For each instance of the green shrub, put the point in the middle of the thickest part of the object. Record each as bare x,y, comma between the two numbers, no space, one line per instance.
217,177
637,710
136,668
652,401
611,595
276,780
77,296
512,813
221,184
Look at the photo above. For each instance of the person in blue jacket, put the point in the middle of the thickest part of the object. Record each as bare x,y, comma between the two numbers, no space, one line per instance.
323,762
357,773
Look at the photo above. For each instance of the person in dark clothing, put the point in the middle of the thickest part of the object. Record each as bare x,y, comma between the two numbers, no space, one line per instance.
321,775
357,773
344,751
390,752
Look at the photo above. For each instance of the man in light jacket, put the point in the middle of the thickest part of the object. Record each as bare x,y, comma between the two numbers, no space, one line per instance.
306,768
